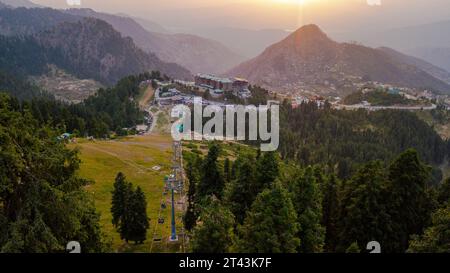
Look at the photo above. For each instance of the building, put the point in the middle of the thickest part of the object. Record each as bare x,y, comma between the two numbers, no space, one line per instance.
141,129
213,82
226,84
393,91
172,100
240,84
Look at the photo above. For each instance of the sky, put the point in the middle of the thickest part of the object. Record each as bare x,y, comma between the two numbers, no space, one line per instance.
332,15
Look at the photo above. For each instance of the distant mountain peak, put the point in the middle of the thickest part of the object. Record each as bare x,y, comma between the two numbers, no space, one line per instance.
311,29
309,33
309,60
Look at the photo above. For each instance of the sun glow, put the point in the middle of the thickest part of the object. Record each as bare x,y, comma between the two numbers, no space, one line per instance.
292,2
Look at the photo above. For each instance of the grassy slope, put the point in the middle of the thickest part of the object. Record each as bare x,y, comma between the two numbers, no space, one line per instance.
145,96
134,156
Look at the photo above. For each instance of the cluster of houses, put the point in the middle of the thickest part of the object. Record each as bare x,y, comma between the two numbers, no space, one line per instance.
167,94
299,100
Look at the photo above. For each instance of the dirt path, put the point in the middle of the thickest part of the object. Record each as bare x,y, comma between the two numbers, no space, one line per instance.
145,100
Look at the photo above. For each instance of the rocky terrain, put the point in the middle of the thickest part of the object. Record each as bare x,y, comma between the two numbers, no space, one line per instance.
65,86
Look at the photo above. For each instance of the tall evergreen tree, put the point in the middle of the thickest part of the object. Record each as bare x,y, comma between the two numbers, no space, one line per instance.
242,191
330,212
127,217
212,182
410,201
271,224
267,169
118,199
308,204
364,216
136,217
214,232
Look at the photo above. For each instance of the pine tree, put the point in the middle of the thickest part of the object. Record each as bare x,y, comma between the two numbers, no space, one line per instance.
212,182
267,169
271,224
137,215
214,231
118,199
242,191
330,212
410,202
364,216
308,204
127,217
436,239
134,223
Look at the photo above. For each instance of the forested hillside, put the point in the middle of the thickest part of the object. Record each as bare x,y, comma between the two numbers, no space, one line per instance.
43,205
88,49
256,203
110,110
345,139
24,21
18,87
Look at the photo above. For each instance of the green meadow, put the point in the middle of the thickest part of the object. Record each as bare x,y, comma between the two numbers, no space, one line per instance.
136,157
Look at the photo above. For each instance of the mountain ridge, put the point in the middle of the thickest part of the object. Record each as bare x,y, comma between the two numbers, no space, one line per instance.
20,3
94,47
196,53
308,57
64,50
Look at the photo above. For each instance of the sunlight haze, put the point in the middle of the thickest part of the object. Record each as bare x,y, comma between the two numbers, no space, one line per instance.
332,15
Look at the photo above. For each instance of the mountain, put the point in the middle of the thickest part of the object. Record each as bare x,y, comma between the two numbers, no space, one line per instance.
439,56
24,21
20,3
431,69
430,42
191,51
150,25
436,34
85,48
251,42
88,49
309,58
93,48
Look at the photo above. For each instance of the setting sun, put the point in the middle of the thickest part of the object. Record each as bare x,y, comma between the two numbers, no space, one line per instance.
300,2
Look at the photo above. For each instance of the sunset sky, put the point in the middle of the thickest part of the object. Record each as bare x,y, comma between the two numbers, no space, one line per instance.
333,15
